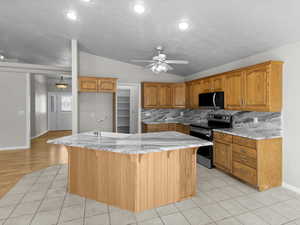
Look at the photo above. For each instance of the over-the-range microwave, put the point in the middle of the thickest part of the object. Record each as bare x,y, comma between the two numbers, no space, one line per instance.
213,100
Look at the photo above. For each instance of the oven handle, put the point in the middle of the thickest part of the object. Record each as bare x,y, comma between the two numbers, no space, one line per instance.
214,100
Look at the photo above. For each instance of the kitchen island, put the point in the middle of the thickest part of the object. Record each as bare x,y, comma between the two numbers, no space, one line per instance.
135,172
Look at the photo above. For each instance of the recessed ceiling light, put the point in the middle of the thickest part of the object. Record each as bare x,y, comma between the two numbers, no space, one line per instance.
183,25
71,15
86,0
139,8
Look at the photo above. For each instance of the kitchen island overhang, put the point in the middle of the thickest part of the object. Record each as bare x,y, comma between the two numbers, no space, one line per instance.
134,172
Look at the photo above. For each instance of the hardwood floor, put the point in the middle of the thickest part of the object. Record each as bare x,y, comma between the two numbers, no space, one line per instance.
16,163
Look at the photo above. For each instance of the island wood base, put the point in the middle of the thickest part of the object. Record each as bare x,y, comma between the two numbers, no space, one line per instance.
134,182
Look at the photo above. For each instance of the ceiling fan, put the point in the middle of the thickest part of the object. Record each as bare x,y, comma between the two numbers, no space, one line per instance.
160,63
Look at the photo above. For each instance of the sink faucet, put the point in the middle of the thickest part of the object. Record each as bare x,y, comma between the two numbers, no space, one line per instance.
99,122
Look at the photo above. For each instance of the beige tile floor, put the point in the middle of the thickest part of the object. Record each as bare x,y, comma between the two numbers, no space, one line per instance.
40,198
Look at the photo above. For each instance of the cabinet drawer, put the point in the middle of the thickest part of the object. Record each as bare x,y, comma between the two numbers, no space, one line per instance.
222,137
244,173
244,142
245,155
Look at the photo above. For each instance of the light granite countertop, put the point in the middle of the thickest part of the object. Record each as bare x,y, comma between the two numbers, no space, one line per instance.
253,133
132,143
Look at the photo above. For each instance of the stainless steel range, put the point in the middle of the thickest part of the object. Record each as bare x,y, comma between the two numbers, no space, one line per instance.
205,131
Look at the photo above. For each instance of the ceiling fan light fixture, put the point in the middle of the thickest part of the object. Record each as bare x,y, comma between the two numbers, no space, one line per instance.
139,8
71,15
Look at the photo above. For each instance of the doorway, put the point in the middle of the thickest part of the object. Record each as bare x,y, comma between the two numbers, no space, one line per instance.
60,111
128,108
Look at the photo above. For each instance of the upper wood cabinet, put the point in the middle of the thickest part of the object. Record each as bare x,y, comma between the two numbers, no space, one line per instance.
234,90
150,93
96,84
178,95
217,83
88,84
107,85
206,85
212,84
194,88
255,88
165,96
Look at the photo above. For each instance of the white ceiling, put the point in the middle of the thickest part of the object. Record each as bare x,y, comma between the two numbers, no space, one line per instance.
36,31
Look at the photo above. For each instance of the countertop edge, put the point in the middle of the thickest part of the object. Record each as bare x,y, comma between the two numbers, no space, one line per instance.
247,136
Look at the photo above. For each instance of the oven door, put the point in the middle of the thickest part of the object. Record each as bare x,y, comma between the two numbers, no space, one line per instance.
201,133
205,153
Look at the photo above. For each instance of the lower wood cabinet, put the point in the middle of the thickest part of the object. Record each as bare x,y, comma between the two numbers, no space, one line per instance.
223,156
148,128
256,162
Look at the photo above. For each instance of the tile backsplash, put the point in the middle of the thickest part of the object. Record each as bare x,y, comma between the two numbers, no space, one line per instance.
270,120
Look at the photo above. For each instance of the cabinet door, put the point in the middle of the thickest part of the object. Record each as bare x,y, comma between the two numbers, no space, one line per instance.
196,90
256,89
165,96
188,95
88,84
234,91
106,85
223,156
207,85
178,95
217,83
150,95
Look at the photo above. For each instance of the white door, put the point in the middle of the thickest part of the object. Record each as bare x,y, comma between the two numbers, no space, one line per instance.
60,111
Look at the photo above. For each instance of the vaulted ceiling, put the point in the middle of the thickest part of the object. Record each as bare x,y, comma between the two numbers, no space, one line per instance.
36,31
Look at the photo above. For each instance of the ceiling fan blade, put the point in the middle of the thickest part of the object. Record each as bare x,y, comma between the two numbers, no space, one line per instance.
177,61
169,67
149,66
138,60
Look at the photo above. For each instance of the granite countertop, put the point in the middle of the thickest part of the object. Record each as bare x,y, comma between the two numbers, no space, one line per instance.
132,143
253,133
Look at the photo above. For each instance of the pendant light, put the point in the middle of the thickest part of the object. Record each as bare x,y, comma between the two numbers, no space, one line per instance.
62,84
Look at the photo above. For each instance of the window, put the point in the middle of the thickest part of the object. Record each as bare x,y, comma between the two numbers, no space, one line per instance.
66,103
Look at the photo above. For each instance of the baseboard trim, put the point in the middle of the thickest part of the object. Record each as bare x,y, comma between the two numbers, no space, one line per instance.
15,148
46,131
291,187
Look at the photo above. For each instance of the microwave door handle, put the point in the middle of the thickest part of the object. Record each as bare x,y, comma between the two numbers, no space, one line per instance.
214,100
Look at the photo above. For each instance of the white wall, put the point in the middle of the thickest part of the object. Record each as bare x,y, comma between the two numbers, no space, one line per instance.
93,107
14,114
290,54
39,115
91,65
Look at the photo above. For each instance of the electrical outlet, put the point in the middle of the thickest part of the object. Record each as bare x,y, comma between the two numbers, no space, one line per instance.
181,113
255,120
